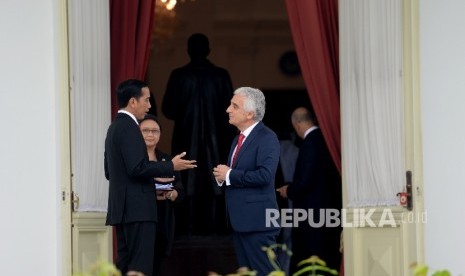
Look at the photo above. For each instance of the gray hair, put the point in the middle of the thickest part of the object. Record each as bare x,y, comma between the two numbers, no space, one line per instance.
254,102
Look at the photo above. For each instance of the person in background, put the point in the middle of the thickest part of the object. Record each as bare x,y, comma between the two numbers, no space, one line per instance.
284,176
316,186
196,96
132,205
249,180
151,131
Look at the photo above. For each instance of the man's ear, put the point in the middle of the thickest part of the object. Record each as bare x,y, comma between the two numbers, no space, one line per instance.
296,126
250,115
132,101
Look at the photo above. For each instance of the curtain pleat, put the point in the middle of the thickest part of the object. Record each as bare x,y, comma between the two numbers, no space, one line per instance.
89,100
372,101
314,27
130,38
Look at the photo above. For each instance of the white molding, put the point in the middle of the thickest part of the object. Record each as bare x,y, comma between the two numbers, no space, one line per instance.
92,240
64,147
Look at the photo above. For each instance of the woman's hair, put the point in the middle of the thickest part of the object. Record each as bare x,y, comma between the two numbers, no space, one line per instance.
153,118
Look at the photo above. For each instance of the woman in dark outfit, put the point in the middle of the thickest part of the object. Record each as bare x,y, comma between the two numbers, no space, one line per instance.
151,131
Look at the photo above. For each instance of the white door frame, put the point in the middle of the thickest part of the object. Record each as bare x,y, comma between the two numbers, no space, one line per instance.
63,119
412,113
85,238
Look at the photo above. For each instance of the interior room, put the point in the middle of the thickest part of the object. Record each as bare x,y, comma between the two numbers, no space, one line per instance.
401,97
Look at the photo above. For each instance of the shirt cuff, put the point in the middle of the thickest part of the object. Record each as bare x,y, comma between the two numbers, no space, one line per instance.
228,182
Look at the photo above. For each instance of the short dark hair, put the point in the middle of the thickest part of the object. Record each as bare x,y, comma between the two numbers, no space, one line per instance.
128,89
153,118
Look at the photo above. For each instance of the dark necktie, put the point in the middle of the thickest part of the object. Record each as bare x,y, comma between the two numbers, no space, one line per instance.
238,148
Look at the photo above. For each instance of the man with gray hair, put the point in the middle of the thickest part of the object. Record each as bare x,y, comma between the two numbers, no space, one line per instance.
249,178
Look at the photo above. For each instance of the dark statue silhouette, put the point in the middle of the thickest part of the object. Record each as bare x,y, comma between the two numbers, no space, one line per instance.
196,98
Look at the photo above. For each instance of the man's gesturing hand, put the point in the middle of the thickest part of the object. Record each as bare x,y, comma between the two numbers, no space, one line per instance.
180,164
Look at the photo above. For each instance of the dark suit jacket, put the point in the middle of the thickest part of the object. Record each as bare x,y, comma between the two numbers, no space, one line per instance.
131,193
316,186
252,180
316,181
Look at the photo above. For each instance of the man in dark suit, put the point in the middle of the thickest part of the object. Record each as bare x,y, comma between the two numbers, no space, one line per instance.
132,199
316,186
249,178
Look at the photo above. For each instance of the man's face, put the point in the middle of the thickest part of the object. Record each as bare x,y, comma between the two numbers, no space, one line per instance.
141,106
237,115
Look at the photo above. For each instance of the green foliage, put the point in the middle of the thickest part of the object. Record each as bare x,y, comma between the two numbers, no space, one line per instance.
309,267
422,270
101,268
312,266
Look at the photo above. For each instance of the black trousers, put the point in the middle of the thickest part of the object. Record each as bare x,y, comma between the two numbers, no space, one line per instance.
136,243
322,242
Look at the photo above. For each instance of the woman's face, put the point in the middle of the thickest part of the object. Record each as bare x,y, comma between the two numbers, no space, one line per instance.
151,132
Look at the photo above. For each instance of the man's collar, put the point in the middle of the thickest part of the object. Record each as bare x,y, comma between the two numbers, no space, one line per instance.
310,130
248,130
129,114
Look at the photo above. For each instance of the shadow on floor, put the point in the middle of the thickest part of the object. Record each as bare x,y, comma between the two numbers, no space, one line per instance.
197,255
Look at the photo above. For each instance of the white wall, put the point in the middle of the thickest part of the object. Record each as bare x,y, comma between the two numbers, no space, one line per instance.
442,47
29,194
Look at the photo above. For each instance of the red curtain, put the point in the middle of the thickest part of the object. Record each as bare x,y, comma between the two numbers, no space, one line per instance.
314,27
130,37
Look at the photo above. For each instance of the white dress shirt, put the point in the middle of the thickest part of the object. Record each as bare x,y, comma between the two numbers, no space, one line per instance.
309,130
130,115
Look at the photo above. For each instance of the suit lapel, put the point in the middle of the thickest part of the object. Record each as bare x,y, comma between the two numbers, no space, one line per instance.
233,145
253,134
